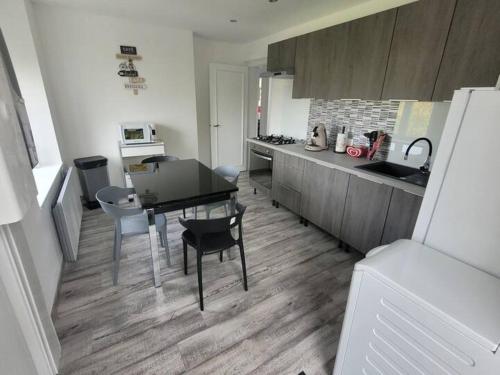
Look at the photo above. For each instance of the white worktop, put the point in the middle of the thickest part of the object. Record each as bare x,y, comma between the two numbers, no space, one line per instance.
344,163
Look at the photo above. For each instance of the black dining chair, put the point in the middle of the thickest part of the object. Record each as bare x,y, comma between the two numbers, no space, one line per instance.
210,236
161,158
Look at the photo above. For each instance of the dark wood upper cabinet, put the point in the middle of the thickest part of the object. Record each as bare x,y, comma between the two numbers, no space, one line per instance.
281,55
358,56
472,53
346,60
311,65
417,48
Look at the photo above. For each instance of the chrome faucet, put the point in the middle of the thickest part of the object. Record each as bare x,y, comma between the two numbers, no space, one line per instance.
427,164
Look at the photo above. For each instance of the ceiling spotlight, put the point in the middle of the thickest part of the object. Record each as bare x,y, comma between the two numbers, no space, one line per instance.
273,1
233,21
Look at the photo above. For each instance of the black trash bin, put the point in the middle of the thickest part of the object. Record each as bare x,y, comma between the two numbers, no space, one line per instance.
93,173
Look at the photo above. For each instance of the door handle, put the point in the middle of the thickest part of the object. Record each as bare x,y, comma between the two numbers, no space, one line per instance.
216,125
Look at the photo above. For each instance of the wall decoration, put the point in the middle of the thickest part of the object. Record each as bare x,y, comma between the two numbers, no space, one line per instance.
128,69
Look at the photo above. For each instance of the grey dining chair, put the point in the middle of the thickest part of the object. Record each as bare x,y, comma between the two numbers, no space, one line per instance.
211,236
128,221
231,174
159,159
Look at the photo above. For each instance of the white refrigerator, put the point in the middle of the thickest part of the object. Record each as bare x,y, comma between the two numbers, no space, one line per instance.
431,305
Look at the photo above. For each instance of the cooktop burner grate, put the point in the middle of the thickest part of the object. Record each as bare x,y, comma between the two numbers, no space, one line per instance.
276,139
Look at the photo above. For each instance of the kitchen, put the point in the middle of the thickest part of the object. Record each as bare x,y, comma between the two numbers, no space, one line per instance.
337,154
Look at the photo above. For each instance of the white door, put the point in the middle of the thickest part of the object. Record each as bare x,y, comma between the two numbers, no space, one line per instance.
228,114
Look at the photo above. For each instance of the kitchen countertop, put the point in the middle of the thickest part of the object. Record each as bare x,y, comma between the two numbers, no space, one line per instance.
344,163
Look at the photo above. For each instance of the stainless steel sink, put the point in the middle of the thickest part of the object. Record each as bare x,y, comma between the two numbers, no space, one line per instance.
399,172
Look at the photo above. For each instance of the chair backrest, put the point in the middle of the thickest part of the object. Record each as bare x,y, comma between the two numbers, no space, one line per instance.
229,172
109,198
159,159
201,227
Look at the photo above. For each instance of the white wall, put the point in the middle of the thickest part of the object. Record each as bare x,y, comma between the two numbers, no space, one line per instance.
79,55
17,26
286,116
19,31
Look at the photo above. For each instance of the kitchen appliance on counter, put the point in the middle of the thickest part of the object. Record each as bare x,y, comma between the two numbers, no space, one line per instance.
137,132
276,139
319,139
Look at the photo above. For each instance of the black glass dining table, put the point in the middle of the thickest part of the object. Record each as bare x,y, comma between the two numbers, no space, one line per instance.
175,185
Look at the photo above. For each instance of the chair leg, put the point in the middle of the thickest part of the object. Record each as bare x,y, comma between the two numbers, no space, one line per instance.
116,262
184,248
200,277
184,212
243,265
220,256
115,243
196,212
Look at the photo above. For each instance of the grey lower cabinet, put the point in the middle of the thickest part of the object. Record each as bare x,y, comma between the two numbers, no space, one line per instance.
365,212
401,217
288,171
324,192
361,213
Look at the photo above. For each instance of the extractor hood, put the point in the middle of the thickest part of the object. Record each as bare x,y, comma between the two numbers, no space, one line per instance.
284,74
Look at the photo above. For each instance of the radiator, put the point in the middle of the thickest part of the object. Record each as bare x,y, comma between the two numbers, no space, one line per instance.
67,213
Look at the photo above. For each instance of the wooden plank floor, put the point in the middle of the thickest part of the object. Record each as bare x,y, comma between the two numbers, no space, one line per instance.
289,320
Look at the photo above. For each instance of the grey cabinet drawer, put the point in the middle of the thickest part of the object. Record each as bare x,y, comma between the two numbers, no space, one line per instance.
287,197
288,170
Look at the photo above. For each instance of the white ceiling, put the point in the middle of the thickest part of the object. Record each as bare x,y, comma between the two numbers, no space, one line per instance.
210,18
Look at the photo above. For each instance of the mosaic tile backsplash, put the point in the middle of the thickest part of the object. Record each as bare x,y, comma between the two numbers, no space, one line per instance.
358,116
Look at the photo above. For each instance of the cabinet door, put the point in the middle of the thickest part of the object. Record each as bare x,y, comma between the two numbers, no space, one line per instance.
364,214
358,57
281,55
288,170
417,48
472,54
287,197
402,216
311,65
324,192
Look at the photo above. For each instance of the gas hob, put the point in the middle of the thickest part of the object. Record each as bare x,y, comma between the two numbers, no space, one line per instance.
276,139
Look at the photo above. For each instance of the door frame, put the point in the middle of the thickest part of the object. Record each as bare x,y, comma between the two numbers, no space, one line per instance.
213,69
34,321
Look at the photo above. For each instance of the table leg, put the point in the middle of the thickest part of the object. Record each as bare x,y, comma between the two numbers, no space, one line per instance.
155,258
232,203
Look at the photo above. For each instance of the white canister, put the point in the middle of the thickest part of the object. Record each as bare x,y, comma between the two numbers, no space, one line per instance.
341,144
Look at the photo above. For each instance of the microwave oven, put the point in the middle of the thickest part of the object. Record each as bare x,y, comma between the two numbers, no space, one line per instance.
137,132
